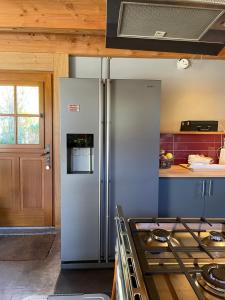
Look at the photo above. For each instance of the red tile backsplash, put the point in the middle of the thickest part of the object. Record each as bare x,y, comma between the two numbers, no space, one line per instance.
197,138
181,145
194,146
166,138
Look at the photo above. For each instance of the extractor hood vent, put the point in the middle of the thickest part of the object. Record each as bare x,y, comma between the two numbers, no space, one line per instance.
155,21
174,26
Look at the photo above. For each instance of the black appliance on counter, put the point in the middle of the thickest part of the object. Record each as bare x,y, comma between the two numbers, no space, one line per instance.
199,126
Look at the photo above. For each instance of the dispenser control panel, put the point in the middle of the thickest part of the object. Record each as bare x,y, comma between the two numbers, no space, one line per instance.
80,153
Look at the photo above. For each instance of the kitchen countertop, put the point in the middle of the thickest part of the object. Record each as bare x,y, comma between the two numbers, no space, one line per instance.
178,171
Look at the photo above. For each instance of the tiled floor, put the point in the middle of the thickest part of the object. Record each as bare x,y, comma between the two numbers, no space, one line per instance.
20,279
85,281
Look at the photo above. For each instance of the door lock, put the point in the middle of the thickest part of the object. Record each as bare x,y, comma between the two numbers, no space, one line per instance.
47,157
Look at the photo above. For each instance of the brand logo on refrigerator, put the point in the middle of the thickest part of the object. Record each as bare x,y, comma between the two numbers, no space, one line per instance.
73,107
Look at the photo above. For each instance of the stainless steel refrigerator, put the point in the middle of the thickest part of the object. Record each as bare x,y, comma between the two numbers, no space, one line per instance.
109,155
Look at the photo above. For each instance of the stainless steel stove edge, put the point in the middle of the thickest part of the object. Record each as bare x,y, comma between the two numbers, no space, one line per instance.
134,281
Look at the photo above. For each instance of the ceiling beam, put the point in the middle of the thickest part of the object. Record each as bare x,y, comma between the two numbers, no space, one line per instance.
80,45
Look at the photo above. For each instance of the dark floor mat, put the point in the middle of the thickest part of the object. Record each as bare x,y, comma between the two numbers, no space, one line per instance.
85,281
25,247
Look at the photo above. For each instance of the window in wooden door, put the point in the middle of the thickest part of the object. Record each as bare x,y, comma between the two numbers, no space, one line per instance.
21,117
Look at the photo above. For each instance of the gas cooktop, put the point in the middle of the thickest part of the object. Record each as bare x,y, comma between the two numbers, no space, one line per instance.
174,258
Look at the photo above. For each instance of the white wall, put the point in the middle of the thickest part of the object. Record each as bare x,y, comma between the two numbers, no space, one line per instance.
197,93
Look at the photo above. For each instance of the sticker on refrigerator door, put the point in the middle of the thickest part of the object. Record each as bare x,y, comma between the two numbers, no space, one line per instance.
73,107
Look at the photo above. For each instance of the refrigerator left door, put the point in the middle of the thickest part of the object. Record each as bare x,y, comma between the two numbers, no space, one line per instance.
80,165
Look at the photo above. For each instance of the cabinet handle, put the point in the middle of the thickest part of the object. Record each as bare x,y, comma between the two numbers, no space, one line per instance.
203,188
210,188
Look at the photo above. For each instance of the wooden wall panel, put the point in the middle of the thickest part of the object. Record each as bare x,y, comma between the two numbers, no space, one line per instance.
52,15
26,61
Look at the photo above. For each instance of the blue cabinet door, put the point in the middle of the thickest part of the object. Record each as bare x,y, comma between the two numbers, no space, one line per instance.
215,198
182,197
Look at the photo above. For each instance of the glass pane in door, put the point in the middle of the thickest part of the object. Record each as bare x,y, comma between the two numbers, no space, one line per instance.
28,130
27,99
7,132
6,99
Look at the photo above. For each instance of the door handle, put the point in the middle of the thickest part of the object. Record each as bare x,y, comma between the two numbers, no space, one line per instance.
210,188
108,156
47,157
203,189
46,150
100,176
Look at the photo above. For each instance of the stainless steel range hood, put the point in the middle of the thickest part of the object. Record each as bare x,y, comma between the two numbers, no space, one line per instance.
172,26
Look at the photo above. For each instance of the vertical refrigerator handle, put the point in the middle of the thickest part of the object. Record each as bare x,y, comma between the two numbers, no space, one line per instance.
108,146
100,166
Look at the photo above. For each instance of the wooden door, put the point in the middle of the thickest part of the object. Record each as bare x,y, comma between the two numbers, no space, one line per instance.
25,149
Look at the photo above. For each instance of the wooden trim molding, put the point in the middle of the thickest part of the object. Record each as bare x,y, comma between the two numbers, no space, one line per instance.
61,69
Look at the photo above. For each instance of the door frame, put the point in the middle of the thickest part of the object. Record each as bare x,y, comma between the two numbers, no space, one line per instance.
58,65
44,81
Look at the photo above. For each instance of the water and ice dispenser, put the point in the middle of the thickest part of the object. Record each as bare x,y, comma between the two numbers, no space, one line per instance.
80,153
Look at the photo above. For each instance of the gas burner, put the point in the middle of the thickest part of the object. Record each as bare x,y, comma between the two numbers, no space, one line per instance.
160,235
214,275
214,239
212,279
216,236
159,238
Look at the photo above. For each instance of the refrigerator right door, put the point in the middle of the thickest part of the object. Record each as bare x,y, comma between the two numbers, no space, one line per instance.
133,113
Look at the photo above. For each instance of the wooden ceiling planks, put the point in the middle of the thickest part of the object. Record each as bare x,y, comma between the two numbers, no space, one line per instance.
63,26
53,15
